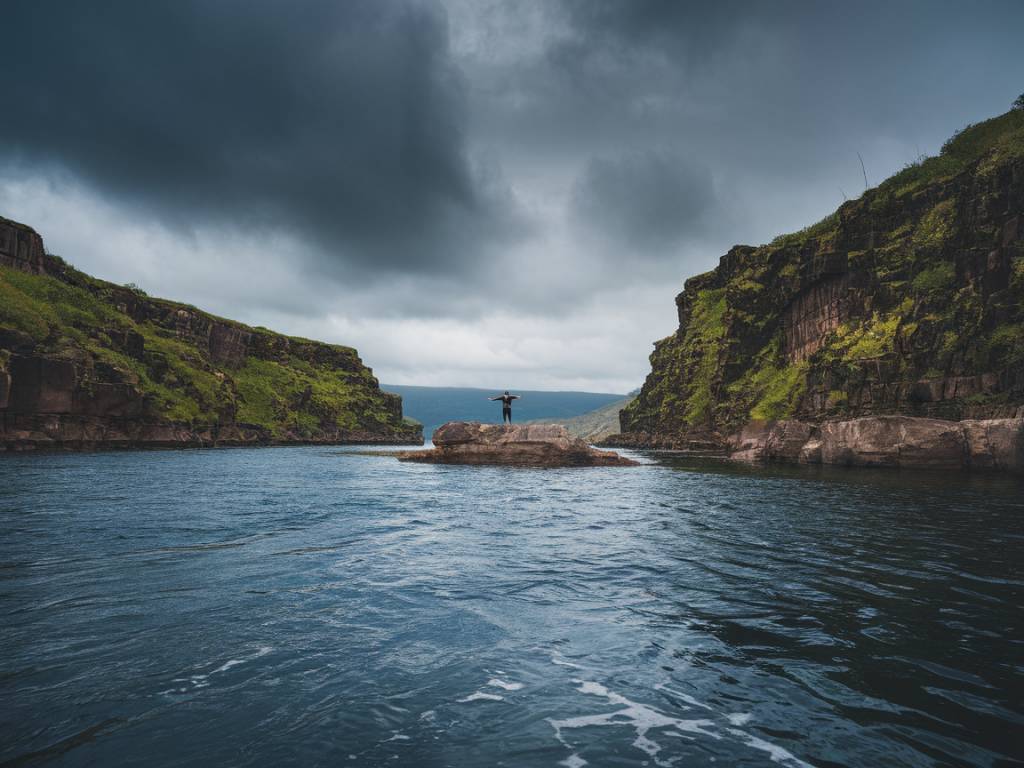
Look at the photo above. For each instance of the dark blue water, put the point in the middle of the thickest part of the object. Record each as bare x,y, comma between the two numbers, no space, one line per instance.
310,606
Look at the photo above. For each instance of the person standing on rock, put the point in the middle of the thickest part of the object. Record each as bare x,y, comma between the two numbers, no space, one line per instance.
506,406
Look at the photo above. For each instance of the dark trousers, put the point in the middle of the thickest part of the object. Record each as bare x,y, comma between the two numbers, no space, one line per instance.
506,415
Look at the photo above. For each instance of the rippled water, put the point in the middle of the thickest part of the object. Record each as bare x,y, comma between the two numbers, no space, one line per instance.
313,606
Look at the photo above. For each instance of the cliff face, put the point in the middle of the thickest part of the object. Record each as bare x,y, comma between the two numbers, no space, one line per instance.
85,363
907,301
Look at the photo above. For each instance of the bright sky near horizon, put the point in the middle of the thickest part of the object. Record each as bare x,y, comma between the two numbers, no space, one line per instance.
471,192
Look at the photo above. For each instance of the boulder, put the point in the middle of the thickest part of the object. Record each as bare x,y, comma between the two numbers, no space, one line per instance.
893,441
995,444
781,440
810,452
528,445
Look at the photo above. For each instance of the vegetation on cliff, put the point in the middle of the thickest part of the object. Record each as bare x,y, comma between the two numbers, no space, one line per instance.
185,366
907,300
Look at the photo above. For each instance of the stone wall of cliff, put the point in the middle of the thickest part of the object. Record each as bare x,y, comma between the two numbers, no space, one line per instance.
909,300
85,363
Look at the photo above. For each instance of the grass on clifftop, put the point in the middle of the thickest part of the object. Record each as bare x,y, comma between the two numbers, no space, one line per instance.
998,140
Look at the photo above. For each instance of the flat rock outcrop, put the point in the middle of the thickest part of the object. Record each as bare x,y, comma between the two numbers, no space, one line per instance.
887,441
529,445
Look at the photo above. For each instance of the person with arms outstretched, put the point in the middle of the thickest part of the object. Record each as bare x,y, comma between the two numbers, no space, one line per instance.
506,406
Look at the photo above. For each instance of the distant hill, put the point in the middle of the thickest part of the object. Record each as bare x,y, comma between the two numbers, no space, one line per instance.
597,424
433,406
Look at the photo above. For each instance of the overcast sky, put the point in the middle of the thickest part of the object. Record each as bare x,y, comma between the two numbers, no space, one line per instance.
471,192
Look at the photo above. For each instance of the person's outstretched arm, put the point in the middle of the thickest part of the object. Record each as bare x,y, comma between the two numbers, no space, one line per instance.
515,397
495,398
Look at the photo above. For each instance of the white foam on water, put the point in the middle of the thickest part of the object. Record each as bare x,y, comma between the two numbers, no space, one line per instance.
644,720
428,716
398,737
480,695
640,717
682,696
496,683
573,761
775,752
235,662
203,680
563,663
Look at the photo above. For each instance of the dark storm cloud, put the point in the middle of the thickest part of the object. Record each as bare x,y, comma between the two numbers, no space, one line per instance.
645,199
471,184
775,99
340,121
768,83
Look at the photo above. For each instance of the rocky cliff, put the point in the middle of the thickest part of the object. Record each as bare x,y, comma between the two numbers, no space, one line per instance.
89,364
909,300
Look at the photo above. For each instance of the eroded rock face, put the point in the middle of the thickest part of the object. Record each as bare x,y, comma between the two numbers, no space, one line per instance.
893,441
887,441
531,445
813,314
995,443
771,440
21,247
41,384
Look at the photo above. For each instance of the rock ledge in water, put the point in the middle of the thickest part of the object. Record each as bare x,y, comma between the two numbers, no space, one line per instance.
528,445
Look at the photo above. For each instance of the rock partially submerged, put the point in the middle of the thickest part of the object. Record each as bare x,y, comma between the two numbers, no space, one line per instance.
528,445
887,441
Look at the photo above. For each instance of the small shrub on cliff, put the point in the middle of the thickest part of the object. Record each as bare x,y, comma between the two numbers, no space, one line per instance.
1007,344
1018,103
935,280
876,339
783,388
936,226
134,288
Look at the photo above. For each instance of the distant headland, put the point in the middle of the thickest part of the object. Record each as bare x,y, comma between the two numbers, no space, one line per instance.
87,364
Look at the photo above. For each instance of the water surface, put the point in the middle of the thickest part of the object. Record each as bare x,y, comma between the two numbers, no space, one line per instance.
314,606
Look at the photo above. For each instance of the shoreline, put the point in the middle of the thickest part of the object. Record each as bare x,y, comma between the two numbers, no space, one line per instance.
890,441
112,446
